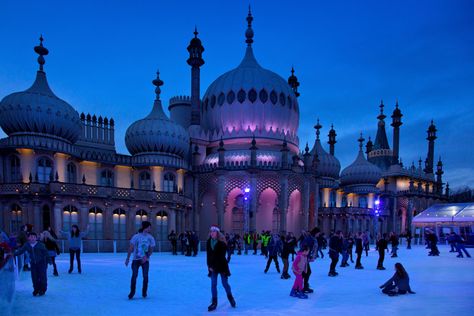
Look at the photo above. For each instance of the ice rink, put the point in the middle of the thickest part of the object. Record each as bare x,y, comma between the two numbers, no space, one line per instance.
179,286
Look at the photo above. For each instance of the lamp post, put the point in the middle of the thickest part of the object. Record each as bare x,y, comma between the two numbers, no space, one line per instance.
377,208
246,209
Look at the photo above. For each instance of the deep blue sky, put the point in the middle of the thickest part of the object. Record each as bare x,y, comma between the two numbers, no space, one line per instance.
347,54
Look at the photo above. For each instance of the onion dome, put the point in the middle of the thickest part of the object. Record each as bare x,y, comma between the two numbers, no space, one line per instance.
156,133
38,110
251,99
328,165
361,171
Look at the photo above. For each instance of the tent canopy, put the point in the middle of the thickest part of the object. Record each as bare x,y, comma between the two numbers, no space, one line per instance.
446,213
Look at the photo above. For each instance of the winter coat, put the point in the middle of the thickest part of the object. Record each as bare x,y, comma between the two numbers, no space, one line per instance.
359,245
275,246
216,258
394,240
51,246
403,284
382,244
38,253
287,249
335,245
300,264
312,245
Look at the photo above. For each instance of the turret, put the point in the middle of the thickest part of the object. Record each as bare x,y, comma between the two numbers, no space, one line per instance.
369,146
293,82
431,138
396,123
195,60
332,140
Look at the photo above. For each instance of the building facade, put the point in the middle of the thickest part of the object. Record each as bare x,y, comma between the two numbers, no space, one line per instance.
231,157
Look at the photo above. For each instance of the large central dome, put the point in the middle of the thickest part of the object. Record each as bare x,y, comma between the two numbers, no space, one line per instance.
251,100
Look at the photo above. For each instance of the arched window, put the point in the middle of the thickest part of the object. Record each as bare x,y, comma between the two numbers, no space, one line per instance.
162,225
15,169
107,178
96,221
120,224
144,181
71,173
363,202
169,184
332,198
140,217
70,217
44,170
16,218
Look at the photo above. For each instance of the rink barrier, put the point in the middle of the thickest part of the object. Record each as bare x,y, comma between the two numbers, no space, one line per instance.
117,246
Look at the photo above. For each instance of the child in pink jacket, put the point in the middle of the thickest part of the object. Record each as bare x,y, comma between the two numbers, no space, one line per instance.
299,266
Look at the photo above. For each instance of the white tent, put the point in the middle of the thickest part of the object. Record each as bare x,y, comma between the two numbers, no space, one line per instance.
459,213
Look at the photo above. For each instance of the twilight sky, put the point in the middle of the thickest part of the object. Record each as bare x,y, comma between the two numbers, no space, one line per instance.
347,56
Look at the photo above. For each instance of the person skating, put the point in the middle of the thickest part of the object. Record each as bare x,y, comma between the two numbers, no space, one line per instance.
399,283
310,240
459,243
39,263
322,244
433,242
248,242
141,245
299,267
350,246
194,243
285,255
256,239
293,245
381,246
409,238
174,242
75,240
216,249
345,252
22,239
394,240
359,248
274,249
53,249
335,247
366,243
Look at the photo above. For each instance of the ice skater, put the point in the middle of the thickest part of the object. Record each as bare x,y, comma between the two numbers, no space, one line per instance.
459,243
141,245
217,264
53,249
310,240
274,249
39,263
399,283
75,241
381,246
335,247
366,243
285,254
395,242
299,267
359,248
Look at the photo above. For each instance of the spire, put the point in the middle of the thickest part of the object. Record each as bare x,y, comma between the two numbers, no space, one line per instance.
249,32
381,115
361,142
332,139
158,83
195,50
306,149
317,127
293,82
369,146
41,51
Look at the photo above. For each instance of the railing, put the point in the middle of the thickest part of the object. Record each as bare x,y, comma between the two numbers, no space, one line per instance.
7,286
61,188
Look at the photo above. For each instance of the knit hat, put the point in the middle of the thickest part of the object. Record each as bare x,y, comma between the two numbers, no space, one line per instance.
214,228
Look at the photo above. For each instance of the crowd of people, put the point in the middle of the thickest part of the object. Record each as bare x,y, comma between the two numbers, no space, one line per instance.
34,252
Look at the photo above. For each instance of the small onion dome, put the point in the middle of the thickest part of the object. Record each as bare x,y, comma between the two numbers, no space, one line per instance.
361,171
328,165
156,133
38,110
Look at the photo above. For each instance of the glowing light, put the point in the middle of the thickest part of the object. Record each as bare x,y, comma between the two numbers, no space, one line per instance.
247,190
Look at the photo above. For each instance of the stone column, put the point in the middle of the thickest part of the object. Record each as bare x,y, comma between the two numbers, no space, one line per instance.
283,202
37,218
60,166
172,221
220,200
410,216
27,163
130,221
394,214
253,202
108,223
316,207
306,203
83,215
157,178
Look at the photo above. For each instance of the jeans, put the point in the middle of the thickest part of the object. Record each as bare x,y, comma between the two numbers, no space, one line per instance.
269,261
334,259
306,276
285,266
358,264
381,258
460,247
73,252
225,284
38,276
320,251
136,264
394,251
345,257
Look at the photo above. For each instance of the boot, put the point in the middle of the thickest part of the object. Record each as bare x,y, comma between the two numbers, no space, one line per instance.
55,273
293,293
131,295
302,295
307,290
231,300
213,305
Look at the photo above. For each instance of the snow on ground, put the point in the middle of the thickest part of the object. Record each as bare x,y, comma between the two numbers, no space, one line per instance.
179,286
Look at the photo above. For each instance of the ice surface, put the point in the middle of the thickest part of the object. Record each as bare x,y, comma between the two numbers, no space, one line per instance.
179,286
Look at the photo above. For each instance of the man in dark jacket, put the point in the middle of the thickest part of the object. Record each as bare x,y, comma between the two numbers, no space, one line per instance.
335,247
381,246
359,248
217,264
274,249
433,242
39,263
174,242
285,254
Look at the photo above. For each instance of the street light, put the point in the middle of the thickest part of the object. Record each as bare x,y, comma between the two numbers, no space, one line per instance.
246,209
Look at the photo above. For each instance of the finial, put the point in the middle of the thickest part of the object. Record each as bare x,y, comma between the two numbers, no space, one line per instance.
396,103
317,127
41,51
332,126
158,83
361,141
292,70
306,149
381,115
249,32
195,31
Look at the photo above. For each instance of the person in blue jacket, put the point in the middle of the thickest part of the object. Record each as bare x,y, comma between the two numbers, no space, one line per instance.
459,243
39,263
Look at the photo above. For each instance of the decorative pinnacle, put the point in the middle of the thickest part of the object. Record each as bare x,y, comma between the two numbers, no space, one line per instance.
381,115
306,149
361,141
317,127
195,31
396,103
41,51
249,32
221,144
158,83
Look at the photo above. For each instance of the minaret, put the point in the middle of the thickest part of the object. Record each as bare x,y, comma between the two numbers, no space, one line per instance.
381,154
396,123
332,140
430,157
293,82
195,60
439,174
